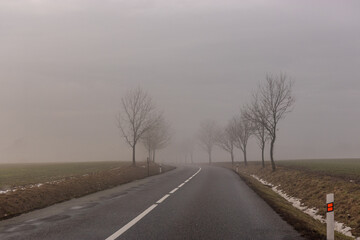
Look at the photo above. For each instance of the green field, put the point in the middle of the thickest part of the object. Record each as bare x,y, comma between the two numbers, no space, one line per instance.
347,168
12,175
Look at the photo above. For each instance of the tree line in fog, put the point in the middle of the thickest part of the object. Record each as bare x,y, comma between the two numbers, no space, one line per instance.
139,120
259,118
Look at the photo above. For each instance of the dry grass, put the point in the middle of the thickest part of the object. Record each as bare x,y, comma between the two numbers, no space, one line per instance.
348,169
13,175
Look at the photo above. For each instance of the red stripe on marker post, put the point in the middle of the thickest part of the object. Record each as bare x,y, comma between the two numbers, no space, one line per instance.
330,207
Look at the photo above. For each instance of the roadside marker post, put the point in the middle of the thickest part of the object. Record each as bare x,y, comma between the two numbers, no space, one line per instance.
160,168
330,216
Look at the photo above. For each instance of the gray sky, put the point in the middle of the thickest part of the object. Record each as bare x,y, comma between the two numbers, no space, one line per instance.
65,65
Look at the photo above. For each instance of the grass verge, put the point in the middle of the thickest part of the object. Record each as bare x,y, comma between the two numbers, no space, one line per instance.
303,223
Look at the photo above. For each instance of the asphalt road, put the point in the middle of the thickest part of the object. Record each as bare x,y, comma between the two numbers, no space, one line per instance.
213,204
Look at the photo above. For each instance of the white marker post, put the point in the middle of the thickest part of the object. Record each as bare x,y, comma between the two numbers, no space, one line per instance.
160,168
330,216
237,168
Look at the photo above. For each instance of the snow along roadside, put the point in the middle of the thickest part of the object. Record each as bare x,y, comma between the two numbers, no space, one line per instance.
296,202
31,186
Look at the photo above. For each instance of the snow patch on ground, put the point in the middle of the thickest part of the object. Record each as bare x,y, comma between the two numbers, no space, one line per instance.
4,191
30,186
313,212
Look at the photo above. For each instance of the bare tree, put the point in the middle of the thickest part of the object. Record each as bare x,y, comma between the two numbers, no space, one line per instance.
157,137
191,153
187,149
273,101
259,130
147,141
243,133
262,137
227,137
137,116
190,149
207,136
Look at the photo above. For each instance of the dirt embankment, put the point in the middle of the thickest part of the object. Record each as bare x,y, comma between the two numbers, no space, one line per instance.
30,198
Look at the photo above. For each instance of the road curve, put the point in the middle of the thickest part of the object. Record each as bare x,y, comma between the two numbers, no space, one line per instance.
212,204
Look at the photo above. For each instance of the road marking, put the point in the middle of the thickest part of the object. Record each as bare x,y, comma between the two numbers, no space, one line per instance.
174,190
131,223
144,213
163,198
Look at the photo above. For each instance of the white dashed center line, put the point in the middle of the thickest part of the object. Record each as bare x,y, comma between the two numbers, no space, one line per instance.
131,223
174,190
163,198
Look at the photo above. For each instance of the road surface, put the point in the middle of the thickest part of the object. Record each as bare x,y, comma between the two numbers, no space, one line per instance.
187,203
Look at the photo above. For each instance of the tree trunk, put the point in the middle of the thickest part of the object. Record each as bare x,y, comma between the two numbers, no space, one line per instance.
149,154
262,155
209,157
272,153
153,155
191,158
133,155
232,157
245,160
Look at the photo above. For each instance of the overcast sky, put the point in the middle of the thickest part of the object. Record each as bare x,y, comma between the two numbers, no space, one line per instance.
65,65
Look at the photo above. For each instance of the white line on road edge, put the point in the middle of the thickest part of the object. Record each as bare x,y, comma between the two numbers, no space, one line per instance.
131,223
163,198
144,213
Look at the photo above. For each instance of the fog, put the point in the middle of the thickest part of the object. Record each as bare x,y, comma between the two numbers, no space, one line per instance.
65,65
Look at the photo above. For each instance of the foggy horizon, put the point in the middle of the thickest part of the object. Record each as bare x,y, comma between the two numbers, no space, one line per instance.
66,65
